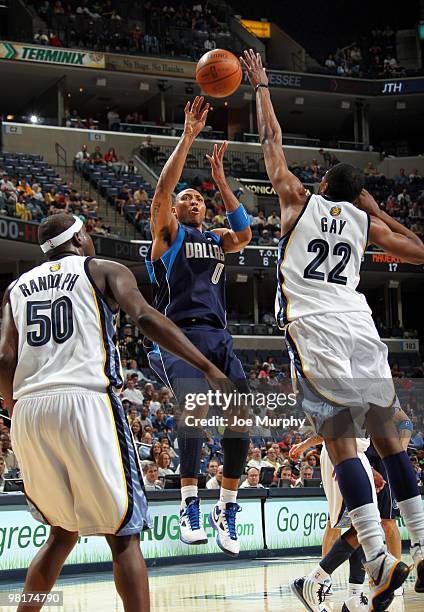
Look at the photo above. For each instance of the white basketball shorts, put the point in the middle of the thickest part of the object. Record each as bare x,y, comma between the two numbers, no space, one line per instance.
339,517
341,359
79,464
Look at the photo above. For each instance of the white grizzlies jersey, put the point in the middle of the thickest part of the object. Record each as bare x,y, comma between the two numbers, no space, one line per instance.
319,261
67,332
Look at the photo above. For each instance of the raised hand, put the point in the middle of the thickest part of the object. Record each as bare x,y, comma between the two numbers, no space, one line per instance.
367,203
195,116
216,162
252,62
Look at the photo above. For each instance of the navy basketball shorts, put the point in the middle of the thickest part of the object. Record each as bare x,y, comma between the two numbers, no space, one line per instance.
387,503
182,378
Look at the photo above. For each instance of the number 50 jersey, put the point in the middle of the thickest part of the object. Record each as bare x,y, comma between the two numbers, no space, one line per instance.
319,261
67,332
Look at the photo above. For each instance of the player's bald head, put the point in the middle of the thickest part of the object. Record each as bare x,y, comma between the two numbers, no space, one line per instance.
53,226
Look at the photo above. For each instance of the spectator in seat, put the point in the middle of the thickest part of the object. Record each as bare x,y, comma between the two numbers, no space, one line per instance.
140,195
415,177
150,477
3,471
306,473
83,156
273,220
265,239
7,452
136,36
401,180
417,228
207,187
159,421
132,414
144,418
21,209
41,38
252,480
155,451
147,438
271,458
132,393
209,44
285,472
215,481
256,460
259,220
137,430
96,157
148,151
123,197
164,463
330,63
111,156
211,469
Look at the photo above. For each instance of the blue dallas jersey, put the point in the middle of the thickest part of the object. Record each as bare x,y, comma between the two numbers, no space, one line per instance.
189,279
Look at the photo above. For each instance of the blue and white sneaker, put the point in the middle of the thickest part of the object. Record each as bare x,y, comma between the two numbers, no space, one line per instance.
224,521
191,529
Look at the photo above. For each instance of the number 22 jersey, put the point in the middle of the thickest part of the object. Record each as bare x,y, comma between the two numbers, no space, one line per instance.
319,261
66,330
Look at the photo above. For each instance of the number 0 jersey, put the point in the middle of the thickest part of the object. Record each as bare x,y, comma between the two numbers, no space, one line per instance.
67,332
319,261
189,279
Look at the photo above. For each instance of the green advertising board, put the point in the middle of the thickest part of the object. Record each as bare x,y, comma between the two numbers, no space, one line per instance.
21,536
297,523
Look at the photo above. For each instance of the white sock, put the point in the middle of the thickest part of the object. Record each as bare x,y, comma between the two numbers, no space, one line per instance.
188,491
412,512
319,575
366,520
226,496
355,589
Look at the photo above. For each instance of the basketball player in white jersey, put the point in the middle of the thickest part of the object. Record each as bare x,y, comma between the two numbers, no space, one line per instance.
337,357
59,367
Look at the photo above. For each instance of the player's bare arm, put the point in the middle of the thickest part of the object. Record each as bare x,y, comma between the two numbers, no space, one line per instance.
394,243
367,203
163,224
232,241
290,190
119,286
297,449
8,352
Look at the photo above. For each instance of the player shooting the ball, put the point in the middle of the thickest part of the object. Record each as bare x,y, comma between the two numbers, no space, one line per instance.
187,270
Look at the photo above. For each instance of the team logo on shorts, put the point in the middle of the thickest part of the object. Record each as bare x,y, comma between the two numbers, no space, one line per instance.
335,211
55,267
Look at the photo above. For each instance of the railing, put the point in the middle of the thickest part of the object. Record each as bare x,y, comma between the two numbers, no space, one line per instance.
61,155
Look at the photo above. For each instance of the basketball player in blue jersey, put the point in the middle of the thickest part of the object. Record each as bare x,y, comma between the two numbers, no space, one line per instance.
331,336
59,367
187,270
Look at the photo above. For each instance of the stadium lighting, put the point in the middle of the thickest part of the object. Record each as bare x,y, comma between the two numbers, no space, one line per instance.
33,119
10,117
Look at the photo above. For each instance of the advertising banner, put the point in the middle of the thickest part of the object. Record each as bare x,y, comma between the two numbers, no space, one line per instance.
155,66
51,55
21,536
296,523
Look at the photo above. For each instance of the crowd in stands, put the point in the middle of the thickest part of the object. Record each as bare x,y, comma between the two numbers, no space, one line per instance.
372,56
140,27
30,190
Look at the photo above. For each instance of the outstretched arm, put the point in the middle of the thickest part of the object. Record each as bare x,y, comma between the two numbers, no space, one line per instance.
288,187
395,239
367,203
119,285
395,244
8,353
232,241
163,224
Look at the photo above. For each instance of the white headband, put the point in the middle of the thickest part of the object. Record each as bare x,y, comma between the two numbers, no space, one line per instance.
52,243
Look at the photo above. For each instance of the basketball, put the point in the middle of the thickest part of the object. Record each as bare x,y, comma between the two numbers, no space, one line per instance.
219,73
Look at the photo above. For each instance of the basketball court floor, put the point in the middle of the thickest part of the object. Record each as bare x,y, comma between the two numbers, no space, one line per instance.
259,585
